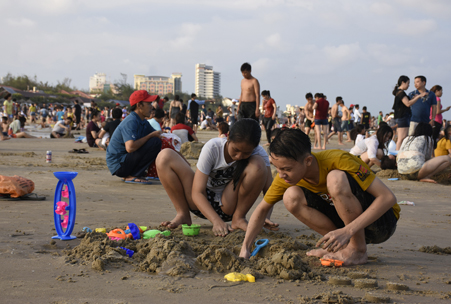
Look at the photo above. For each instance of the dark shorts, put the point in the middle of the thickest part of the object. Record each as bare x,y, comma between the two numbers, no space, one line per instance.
337,124
247,110
194,119
378,232
403,122
308,123
321,122
219,119
60,134
345,126
174,112
366,126
5,134
216,207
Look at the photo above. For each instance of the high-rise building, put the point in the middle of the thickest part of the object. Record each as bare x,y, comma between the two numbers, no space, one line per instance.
160,85
208,82
97,82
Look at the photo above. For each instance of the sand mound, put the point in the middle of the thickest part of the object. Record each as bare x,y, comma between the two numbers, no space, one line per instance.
179,255
435,249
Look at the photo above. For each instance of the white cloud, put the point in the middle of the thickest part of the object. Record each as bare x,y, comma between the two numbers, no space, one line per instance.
381,8
273,40
390,56
417,27
21,22
342,54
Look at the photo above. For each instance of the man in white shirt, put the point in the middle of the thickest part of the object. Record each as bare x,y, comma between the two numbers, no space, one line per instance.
357,115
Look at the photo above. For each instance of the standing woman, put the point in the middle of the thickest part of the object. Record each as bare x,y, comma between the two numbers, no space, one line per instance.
438,122
269,105
402,109
174,108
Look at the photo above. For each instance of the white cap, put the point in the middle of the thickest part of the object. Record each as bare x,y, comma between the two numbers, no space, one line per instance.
208,117
234,100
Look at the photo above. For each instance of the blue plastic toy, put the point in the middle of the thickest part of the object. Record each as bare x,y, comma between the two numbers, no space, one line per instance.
259,245
134,230
61,208
86,229
129,252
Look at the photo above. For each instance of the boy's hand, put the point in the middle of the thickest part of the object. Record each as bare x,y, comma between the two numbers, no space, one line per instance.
335,240
257,112
245,253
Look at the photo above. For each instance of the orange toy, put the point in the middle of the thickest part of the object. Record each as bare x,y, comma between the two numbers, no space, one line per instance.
331,263
117,234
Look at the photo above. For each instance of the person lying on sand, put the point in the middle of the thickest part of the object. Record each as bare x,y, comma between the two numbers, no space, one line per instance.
231,173
16,126
332,192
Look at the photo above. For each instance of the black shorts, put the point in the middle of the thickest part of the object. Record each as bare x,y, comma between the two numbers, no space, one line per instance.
366,126
60,134
308,123
247,110
378,232
194,118
337,124
216,207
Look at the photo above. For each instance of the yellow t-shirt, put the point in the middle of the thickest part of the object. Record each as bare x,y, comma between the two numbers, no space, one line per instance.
443,146
328,160
9,107
33,109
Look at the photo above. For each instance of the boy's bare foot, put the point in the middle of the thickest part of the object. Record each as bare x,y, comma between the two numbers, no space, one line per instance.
349,256
428,180
317,252
323,148
341,144
349,141
177,221
271,225
240,223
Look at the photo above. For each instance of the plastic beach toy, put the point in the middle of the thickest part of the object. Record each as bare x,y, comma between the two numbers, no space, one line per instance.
134,231
237,277
190,230
101,230
64,190
331,263
129,252
86,229
259,245
150,234
117,234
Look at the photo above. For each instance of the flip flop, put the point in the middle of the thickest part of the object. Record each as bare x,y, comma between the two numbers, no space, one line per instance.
74,151
152,178
133,181
82,151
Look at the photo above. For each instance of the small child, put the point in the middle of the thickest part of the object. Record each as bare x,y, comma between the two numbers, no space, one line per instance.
358,133
5,126
223,128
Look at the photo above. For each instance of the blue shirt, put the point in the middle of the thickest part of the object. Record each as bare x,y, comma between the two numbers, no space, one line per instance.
131,128
421,110
59,115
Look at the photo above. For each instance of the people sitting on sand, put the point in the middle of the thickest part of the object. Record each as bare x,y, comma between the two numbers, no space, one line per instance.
157,120
16,127
415,159
332,192
223,129
207,124
107,131
93,131
134,144
371,150
230,175
61,128
358,134
183,131
444,144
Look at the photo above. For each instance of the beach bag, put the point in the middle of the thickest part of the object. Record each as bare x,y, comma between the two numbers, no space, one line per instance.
15,186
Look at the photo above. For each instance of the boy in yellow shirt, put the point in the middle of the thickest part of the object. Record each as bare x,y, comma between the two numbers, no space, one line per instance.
332,192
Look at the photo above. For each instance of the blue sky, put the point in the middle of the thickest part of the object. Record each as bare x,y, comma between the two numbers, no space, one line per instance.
356,49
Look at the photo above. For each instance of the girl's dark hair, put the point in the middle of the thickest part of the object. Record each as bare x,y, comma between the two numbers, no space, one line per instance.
244,130
380,134
401,79
436,88
8,95
266,93
388,163
448,132
179,118
292,144
356,131
422,129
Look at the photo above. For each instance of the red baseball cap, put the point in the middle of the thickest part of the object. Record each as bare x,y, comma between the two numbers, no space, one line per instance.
141,95
351,106
118,104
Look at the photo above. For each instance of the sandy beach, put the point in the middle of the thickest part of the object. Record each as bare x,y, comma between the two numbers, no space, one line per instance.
35,269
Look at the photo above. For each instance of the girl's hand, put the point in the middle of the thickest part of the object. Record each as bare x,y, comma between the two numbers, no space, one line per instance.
221,229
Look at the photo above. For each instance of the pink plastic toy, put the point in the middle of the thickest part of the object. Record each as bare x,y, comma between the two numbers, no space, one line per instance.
61,209
65,222
65,192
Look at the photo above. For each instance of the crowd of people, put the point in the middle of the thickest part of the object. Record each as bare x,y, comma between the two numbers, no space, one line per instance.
332,191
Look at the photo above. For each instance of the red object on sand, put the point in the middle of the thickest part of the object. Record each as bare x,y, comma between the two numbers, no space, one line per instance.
166,143
331,263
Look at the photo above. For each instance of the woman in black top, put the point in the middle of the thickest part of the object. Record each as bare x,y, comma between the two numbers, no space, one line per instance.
402,109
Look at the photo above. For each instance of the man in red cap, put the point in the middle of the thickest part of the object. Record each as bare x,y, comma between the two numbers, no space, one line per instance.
134,144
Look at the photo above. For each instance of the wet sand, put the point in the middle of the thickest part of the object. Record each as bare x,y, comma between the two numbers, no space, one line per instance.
36,270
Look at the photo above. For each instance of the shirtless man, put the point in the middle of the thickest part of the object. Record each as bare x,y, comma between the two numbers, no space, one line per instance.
249,103
345,127
308,111
336,121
